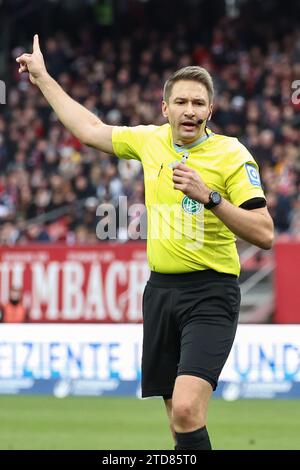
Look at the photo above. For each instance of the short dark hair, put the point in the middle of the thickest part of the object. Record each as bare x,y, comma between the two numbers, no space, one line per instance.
192,72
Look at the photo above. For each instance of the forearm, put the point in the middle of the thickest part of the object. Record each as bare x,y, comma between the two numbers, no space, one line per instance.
73,115
252,226
87,127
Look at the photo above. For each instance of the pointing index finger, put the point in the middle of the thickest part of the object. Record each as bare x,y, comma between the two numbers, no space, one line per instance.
36,43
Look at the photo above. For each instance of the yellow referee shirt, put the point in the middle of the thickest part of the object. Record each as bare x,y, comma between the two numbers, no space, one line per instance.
183,236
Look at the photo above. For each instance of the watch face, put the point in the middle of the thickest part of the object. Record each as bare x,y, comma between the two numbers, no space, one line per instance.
215,197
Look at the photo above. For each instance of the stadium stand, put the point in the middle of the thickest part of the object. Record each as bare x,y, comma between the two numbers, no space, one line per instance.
50,184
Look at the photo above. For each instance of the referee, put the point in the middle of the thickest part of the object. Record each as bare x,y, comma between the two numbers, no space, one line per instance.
202,189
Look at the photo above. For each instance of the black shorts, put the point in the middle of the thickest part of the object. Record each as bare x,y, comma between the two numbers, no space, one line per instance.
190,322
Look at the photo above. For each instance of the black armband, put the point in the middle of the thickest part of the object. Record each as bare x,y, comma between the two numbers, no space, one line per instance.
254,203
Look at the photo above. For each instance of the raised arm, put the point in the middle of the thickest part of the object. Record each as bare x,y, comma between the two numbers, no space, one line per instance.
87,127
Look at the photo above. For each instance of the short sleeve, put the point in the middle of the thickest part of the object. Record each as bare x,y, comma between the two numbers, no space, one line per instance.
128,142
242,180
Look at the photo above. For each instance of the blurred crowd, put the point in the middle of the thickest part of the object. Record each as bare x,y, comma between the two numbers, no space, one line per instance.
51,184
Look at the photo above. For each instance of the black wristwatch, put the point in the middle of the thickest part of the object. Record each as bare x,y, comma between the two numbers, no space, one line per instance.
214,199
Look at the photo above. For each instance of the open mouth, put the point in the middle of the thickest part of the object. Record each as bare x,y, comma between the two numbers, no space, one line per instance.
189,126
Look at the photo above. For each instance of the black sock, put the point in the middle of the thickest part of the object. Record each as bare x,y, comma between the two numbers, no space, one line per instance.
195,440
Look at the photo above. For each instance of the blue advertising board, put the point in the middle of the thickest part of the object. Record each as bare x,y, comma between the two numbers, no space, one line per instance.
104,359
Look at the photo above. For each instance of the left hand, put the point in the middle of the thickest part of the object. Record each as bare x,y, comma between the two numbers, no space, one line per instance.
189,182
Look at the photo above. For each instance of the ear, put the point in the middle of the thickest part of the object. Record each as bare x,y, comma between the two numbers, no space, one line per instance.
164,109
210,112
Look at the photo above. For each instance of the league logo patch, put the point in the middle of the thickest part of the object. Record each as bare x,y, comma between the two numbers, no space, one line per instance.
253,175
191,206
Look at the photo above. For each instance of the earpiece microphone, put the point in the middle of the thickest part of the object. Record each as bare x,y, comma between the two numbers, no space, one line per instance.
201,121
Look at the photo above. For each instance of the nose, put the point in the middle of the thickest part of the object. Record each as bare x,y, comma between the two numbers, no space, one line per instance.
189,110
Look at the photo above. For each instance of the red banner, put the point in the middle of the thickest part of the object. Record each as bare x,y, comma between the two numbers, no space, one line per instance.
100,283
287,258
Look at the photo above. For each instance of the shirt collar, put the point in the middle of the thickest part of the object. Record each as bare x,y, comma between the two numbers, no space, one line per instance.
182,148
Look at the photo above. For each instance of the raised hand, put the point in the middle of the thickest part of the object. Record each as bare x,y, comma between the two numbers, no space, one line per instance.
33,63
